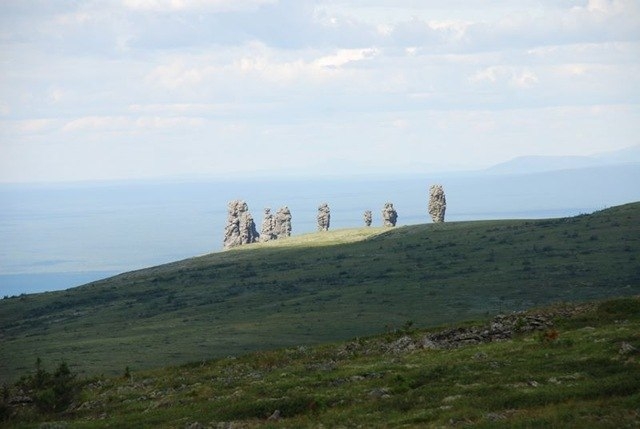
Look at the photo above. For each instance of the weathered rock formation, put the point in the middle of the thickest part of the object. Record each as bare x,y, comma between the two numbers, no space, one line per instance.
240,229
268,230
502,327
283,223
368,218
389,215
324,217
437,203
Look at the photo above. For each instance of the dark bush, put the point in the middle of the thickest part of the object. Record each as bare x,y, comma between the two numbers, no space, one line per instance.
51,393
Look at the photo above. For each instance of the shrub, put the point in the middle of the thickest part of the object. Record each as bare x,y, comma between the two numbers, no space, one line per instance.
51,392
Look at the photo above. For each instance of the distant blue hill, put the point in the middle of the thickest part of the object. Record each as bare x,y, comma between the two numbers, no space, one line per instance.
537,164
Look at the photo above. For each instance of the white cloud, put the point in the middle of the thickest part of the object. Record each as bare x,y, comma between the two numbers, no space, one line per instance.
16,128
441,79
524,79
127,124
194,5
344,56
513,76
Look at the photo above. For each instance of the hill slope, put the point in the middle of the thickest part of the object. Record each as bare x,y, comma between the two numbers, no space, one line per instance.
569,366
322,287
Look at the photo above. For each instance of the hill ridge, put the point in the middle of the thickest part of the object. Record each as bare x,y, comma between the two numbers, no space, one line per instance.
292,293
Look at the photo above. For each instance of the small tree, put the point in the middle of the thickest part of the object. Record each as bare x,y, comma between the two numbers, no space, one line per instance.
51,392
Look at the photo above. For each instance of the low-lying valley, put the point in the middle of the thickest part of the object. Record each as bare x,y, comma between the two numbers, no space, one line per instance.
366,327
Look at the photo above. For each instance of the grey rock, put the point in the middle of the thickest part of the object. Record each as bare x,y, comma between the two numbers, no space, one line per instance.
437,203
283,222
275,415
626,348
368,218
268,230
382,392
324,217
389,215
402,345
240,228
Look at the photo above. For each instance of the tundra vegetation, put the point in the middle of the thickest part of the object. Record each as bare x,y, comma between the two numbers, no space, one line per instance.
567,365
321,287
341,284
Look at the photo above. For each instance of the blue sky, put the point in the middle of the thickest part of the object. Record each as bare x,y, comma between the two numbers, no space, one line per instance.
134,89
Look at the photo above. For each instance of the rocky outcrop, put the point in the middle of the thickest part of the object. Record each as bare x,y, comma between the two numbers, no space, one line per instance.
437,203
240,228
324,217
368,218
501,328
389,215
268,230
283,223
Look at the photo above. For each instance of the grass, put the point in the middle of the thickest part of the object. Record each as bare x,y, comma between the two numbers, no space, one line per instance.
580,379
322,287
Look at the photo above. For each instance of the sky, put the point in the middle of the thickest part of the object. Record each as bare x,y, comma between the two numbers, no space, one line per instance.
144,89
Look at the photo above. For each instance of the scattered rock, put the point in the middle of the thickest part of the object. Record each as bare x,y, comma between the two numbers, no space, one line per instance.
437,203
626,348
494,417
20,399
275,415
499,329
53,425
480,356
428,344
389,215
324,217
451,398
368,218
402,345
382,393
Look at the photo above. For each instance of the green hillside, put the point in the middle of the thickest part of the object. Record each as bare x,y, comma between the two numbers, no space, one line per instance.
322,287
565,366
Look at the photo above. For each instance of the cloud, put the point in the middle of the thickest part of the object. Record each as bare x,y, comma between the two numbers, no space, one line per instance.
254,65
520,78
436,79
194,5
95,124
27,127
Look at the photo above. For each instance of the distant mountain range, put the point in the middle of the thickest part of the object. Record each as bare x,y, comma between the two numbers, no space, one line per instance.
537,164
